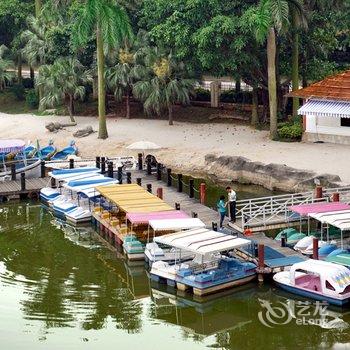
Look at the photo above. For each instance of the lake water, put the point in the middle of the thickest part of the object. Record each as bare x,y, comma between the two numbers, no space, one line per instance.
61,289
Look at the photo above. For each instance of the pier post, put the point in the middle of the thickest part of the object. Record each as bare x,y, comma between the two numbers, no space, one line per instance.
120,174
283,240
128,177
149,168
202,193
71,163
177,206
179,183
53,183
139,161
98,162
315,248
168,171
13,171
214,226
318,192
23,182
42,169
139,181
194,214
159,171
261,262
110,169
191,188
103,165
149,188
335,197
160,192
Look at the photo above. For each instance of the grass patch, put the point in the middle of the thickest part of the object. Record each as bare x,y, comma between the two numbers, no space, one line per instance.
11,105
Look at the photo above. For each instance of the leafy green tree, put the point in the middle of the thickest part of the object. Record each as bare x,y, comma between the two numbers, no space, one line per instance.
166,85
63,81
272,16
5,64
108,22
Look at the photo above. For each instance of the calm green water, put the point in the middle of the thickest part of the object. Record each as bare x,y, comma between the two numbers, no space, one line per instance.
60,289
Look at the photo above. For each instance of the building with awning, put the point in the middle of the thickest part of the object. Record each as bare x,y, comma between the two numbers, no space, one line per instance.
326,109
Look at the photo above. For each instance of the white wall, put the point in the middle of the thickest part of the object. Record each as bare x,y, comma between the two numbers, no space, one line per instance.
326,125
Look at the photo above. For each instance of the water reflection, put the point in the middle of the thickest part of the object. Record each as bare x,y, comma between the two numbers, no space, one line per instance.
65,279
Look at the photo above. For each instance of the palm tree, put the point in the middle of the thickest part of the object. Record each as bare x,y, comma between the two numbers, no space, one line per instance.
273,15
165,86
129,69
109,23
5,75
63,81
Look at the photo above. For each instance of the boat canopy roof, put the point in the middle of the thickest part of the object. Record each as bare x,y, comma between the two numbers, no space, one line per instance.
75,170
337,275
144,218
75,176
202,241
176,224
8,146
132,198
339,219
319,207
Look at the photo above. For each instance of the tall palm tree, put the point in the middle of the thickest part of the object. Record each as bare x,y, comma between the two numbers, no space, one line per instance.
5,75
63,81
273,16
109,23
166,85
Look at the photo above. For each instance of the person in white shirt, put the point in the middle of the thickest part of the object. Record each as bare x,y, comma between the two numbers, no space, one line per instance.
232,197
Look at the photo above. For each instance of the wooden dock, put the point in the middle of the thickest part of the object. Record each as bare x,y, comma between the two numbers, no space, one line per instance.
14,189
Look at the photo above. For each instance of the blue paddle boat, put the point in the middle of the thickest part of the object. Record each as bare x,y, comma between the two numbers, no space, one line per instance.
45,153
28,152
67,151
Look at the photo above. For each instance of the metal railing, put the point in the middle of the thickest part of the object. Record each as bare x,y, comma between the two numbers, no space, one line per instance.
268,210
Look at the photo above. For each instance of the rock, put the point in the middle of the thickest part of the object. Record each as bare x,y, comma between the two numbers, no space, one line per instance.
55,126
84,132
271,176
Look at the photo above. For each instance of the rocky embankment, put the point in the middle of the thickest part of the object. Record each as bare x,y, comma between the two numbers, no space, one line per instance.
271,176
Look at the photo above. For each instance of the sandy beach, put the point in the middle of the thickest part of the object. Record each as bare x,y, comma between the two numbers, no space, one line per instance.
184,144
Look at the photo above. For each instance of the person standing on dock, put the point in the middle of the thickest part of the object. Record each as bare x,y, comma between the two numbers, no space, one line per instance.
221,206
232,197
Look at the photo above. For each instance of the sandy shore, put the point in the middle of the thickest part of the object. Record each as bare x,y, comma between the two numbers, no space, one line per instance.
184,144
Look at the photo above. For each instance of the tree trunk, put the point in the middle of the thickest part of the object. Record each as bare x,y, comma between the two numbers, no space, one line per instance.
238,84
38,6
19,68
127,105
71,108
255,106
170,110
102,130
295,64
32,77
271,72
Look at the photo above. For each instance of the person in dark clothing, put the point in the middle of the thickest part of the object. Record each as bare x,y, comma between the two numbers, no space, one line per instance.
232,197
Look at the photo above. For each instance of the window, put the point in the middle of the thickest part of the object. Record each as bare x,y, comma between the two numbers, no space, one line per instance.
329,286
344,121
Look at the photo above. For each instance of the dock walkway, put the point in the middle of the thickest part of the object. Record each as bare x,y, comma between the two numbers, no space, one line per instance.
13,189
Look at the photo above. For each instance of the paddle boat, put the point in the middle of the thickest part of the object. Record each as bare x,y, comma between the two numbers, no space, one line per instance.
65,152
45,153
28,152
209,271
158,252
317,279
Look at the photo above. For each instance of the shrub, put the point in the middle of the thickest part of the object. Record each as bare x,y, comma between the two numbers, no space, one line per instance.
289,131
32,99
231,96
28,83
19,91
202,94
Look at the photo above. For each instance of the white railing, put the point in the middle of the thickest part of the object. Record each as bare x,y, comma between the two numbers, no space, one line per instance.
268,210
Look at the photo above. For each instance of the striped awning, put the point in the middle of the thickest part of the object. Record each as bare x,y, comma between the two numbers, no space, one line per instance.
326,108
